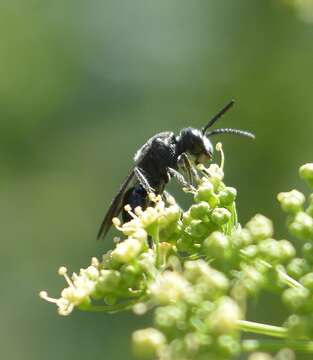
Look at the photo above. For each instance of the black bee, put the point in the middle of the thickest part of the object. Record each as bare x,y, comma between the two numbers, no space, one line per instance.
164,156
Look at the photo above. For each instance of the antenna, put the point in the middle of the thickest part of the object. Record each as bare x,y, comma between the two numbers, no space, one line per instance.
231,131
218,115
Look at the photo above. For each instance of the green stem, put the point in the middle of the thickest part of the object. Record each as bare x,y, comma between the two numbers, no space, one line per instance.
110,308
264,329
288,280
156,241
275,345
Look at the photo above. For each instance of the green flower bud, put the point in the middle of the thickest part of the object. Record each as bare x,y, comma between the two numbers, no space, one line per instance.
285,354
147,261
198,271
298,326
260,228
216,175
169,287
307,251
170,317
197,228
224,318
302,226
204,192
147,343
108,281
240,238
292,201
228,346
110,299
185,243
250,251
269,248
307,281
129,274
193,342
213,201
296,298
220,216
287,250
217,245
306,173
187,218
171,215
297,268
108,262
227,196
200,211
251,279
309,209
281,251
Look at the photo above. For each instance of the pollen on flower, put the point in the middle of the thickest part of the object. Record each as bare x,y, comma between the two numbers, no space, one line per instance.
219,146
127,208
62,270
43,294
140,308
116,222
95,262
138,210
152,197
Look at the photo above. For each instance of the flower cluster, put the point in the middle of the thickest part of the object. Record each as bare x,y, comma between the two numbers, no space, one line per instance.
197,270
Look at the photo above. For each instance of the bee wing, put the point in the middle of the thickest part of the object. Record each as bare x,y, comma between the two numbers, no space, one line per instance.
117,202
115,206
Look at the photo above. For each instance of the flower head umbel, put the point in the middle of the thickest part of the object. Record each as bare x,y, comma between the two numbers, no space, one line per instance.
198,268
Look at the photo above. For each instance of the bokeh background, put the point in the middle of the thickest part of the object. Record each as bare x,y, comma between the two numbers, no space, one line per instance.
82,85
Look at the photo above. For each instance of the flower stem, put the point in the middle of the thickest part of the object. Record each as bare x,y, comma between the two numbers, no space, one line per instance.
275,345
264,329
110,308
156,241
288,280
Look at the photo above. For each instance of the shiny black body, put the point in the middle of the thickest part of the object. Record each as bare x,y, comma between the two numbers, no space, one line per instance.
163,156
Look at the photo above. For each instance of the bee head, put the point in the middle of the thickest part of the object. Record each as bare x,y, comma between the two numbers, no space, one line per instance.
196,144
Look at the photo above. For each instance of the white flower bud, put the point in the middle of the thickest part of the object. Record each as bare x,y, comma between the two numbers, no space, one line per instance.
224,318
169,287
92,273
147,342
306,173
260,356
126,250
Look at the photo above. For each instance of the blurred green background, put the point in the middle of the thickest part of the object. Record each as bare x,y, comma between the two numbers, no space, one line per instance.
82,85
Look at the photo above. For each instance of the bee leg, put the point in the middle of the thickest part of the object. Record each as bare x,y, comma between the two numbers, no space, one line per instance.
143,181
167,196
179,177
192,173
